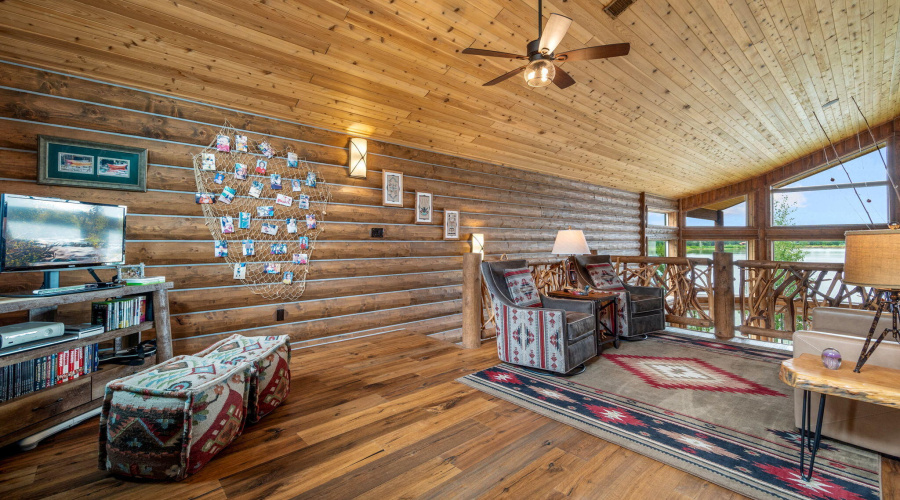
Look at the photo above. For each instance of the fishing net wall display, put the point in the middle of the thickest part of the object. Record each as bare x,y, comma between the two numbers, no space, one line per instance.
264,208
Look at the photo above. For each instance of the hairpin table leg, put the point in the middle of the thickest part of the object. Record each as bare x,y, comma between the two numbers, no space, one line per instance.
806,433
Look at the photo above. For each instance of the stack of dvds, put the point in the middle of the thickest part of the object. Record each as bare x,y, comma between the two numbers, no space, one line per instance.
119,313
40,373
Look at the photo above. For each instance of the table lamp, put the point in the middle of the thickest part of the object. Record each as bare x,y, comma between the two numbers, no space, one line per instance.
872,259
570,242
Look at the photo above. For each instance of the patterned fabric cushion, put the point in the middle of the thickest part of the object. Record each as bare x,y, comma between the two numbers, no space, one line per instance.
270,356
604,277
168,421
522,289
530,338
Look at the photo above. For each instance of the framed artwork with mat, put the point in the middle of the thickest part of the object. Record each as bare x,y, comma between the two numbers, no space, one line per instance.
77,163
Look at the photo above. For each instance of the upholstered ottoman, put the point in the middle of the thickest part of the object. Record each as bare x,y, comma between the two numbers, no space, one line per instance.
168,421
271,356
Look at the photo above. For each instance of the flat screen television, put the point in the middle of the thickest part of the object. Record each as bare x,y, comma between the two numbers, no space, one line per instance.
46,234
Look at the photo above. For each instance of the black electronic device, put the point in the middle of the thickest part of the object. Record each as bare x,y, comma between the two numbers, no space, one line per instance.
51,234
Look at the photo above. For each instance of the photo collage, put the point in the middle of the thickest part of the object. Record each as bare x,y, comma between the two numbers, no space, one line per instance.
262,202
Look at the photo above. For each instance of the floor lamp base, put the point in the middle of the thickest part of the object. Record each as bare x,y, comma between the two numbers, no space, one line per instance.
887,300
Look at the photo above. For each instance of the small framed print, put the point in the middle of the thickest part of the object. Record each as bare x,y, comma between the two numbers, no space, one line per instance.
391,188
130,271
423,207
73,162
451,224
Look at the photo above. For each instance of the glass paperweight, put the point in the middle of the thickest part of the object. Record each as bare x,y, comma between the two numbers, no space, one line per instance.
831,358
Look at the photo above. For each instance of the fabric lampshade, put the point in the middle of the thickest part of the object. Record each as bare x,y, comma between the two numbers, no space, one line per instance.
872,258
570,242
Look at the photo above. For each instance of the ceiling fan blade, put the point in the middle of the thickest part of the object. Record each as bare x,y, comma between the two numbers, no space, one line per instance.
492,53
506,76
553,33
598,52
562,79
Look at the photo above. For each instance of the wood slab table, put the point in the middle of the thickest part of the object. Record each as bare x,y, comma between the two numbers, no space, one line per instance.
876,385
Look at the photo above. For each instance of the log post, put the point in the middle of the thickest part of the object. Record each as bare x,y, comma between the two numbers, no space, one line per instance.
471,306
723,294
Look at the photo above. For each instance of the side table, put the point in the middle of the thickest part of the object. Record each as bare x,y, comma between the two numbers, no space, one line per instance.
877,385
602,300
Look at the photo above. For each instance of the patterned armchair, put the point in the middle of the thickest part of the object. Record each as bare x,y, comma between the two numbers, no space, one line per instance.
557,335
641,308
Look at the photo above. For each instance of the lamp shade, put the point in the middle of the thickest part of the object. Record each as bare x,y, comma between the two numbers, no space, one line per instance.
358,156
872,258
570,242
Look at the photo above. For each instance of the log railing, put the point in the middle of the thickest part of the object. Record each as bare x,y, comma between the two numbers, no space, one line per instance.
777,298
774,299
688,283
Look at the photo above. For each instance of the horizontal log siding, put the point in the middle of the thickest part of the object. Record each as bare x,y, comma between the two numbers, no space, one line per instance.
357,286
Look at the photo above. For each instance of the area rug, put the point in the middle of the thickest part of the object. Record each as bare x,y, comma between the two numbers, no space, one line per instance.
714,409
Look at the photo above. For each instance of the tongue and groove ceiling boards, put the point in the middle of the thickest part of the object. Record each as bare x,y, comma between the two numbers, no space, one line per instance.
712,92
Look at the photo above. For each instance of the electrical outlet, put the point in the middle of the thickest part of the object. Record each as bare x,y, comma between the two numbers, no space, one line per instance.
279,315
378,232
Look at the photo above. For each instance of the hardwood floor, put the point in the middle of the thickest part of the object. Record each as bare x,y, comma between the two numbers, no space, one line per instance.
382,417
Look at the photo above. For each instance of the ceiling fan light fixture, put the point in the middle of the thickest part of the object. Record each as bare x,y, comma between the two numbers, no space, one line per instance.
539,73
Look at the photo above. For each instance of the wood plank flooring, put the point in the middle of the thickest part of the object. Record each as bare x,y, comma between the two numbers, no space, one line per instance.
382,417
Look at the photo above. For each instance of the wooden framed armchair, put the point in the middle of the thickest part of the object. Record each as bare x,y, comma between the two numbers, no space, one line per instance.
557,335
644,307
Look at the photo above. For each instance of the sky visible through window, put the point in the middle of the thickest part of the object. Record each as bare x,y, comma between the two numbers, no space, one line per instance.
839,206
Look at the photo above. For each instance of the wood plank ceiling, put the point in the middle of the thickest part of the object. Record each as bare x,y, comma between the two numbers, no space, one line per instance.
713,91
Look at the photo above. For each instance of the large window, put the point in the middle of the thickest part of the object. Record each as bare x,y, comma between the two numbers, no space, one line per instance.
836,195
731,212
808,251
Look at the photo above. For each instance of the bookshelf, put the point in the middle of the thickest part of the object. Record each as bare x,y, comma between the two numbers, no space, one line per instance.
31,413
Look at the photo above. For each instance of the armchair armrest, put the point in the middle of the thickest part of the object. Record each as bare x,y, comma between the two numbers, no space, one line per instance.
582,306
645,290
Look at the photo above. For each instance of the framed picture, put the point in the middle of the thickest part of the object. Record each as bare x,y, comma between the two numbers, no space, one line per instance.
424,208
131,271
391,188
451,224
73,162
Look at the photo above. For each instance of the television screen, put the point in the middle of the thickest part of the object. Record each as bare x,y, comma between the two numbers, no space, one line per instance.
47,233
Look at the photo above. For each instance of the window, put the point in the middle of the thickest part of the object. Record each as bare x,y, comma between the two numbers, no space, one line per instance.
808,251
835,196
657,218
657,248
731,212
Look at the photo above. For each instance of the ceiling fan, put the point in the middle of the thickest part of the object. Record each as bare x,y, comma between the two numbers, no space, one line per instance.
541,71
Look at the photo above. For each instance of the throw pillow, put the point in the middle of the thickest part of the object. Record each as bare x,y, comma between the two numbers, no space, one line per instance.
522,289
604,277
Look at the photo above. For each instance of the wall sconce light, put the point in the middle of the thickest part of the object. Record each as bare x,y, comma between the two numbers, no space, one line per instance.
478,243
358,153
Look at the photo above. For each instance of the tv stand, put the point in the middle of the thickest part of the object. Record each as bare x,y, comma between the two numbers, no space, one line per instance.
47,408
51,280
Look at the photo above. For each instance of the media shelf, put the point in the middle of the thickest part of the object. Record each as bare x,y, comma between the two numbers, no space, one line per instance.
11,359
31,413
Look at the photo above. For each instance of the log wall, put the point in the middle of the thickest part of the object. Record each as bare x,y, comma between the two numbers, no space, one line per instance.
410,280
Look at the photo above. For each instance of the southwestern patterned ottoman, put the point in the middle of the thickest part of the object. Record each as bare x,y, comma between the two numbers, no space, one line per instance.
170,420
271,356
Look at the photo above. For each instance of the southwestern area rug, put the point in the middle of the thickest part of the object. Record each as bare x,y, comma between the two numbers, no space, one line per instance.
714,409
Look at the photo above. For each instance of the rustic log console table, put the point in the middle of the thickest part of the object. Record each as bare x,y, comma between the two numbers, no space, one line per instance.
877,385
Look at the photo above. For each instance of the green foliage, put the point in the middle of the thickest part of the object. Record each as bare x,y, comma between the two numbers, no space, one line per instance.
21,253
783,215
660,249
